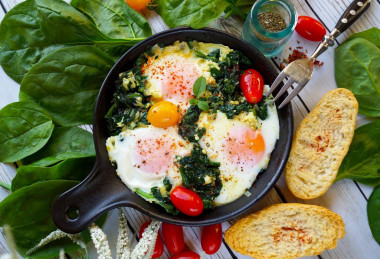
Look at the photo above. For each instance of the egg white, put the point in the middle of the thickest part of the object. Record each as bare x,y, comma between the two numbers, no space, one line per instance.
122,150
236,178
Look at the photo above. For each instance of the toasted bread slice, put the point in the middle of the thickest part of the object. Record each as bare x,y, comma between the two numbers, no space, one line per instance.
320,144
287,230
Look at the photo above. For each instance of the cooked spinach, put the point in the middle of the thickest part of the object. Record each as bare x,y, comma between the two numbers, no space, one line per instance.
226,95
155,196
114,18
29,33
213,55
373,212
27,211
165,202
70,169
65,143
196,14
362,162
68,83
24,129
201,175
357,66
262,108
130,105
167,184
188,127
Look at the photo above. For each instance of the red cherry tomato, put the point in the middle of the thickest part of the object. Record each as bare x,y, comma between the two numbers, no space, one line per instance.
186,255
159,247
252,85
211,238
186,201
310,29
173,237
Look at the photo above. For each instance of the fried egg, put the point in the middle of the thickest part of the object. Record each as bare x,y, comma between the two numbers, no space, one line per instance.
242,145
145,156
172,71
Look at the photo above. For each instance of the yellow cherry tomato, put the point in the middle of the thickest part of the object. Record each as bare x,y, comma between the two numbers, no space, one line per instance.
163,114
138,5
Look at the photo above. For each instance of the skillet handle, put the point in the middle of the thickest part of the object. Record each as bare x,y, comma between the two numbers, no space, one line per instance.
87,201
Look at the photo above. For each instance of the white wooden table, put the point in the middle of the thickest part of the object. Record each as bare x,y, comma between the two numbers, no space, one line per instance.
347,198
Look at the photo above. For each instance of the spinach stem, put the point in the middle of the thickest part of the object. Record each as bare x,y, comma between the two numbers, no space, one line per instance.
5,185
144,194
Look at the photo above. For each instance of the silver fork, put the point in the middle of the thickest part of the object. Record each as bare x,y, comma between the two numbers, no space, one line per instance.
300,71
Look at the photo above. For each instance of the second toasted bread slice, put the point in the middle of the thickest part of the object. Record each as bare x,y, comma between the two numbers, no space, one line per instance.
320,144
287,230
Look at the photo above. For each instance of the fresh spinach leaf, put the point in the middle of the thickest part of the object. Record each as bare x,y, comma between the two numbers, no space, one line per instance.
66,83
240,8
199,86
35,28
24,129
372,35
362,162
373,212
71,169
115,18
27,211
65,143
357,66
196,14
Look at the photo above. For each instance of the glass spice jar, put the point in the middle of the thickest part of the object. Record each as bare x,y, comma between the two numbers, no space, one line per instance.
269,25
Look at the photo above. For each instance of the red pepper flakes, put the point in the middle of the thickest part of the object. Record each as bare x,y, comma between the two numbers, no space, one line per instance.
295,55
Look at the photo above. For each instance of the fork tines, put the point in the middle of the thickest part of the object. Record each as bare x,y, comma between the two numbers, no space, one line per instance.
288,84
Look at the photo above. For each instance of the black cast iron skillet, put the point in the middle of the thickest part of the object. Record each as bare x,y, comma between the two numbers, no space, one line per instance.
103,190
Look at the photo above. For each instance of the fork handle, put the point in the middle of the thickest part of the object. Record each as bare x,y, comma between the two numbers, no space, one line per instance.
352,13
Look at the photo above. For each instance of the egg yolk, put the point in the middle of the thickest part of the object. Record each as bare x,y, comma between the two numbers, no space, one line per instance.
244,146
163,114
154,155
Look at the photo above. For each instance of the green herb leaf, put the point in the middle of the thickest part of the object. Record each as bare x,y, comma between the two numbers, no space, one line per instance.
24,129
29,33
196,14
35,222
362,162
357,66
68,83
71,169
199,86
203,106
193,101
373,212
65,143
115,18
